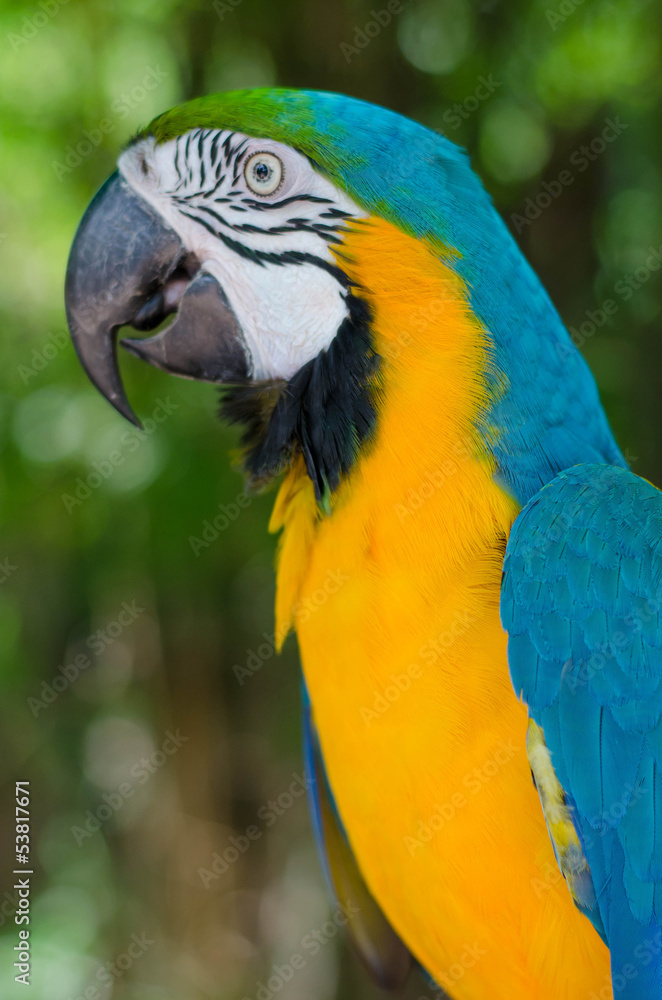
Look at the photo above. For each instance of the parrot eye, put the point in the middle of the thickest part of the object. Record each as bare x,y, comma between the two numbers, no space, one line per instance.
264,173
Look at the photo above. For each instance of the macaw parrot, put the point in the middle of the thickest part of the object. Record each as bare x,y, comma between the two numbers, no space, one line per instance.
472,572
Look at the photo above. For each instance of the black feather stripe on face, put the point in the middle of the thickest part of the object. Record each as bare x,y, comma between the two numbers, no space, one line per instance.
325,412
214,169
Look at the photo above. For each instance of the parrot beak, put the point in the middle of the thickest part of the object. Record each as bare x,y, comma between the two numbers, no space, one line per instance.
127,268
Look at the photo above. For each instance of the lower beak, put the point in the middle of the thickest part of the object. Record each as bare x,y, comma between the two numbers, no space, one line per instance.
127,268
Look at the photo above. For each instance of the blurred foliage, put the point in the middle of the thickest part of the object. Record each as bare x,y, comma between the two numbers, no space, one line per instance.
96,516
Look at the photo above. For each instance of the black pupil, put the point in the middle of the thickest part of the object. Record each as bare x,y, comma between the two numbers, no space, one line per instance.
262,171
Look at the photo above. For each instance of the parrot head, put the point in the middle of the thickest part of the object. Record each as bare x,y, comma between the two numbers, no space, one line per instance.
310,246
214,217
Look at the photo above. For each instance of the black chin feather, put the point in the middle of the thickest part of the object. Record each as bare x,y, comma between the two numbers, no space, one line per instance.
326,412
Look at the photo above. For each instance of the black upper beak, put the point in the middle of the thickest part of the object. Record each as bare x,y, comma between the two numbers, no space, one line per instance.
127,268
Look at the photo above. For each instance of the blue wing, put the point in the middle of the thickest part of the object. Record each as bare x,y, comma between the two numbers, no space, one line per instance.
380,948
581,601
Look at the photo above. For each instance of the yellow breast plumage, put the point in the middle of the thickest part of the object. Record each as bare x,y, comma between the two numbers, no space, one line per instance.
394,598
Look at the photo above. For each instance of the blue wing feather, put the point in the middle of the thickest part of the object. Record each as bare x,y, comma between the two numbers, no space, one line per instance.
585,652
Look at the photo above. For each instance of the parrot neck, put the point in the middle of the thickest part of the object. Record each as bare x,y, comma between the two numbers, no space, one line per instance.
428,470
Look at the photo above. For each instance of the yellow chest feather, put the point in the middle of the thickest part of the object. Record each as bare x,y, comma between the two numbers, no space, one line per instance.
394,598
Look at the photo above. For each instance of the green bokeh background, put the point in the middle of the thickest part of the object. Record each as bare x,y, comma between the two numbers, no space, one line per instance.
524,86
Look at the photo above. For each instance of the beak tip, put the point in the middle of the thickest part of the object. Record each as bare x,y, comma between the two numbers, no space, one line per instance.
105,378
120,403
132,418
123,408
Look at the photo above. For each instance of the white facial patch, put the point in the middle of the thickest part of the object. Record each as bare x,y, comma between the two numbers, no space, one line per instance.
270,253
